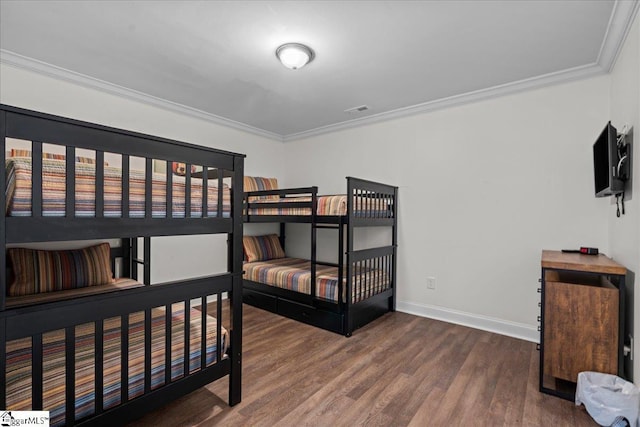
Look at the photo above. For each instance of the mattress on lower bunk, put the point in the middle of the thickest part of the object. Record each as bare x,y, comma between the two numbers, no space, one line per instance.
19,361
295,275
334,205
18,191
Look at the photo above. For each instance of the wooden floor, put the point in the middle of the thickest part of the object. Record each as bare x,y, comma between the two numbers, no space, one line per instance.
399,370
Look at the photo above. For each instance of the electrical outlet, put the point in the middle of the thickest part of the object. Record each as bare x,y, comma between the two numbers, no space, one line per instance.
431,282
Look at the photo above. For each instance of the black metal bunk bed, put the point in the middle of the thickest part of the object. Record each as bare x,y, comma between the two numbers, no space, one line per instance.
162,369
368,204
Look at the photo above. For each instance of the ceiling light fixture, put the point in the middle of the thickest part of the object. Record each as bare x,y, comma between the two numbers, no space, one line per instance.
294,55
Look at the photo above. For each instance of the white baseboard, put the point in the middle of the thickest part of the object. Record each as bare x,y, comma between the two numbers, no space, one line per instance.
491,324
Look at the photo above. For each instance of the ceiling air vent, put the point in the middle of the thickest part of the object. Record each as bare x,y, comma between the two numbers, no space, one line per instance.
359,109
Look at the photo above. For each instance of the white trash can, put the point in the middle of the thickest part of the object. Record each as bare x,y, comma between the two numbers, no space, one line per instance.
607,396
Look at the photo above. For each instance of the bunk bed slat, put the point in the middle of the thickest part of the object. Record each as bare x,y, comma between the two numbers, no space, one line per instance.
167,343
219,327
203,329
187,336
169,191
125,186
148,188
70,375
205,191
187,191
99,366
99,184
147,350
124,358
36,372
36,179
219,208
70,182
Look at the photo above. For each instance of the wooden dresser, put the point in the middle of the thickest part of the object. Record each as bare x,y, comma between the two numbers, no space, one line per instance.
582,319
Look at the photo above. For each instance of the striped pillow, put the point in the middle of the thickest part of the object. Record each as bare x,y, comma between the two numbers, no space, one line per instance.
262,248
256,183
38,271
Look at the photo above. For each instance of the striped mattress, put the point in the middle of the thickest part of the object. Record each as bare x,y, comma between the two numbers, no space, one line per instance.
18,191
295,275
19,361
334,205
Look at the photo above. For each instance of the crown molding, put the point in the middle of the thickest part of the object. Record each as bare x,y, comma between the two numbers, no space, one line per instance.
544,80
620,22
43,68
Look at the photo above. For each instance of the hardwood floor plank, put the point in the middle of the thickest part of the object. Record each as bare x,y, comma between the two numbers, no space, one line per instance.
399,370
507,405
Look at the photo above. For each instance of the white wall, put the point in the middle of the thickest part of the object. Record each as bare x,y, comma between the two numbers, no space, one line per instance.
483,189
174,257
624,232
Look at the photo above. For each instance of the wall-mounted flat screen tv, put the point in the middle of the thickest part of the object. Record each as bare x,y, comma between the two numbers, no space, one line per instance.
605,163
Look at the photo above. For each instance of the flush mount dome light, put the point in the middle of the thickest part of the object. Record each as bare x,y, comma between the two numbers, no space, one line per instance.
294,55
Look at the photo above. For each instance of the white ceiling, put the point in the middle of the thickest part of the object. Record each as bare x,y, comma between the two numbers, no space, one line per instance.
217,60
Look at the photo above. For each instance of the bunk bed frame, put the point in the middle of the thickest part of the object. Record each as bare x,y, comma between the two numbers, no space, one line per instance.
347,314
33,321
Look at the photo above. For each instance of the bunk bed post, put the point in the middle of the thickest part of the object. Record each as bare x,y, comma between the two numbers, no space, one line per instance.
3,265
146,266
134,258
392,300
341,300
126,257
235,257
3,359
348,318
314,233
3,249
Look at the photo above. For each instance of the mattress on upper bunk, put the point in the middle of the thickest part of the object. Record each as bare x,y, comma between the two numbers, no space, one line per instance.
295,275
19,361
332,205
18,191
